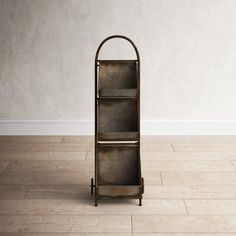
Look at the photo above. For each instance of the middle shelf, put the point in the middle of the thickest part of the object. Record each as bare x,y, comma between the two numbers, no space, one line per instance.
126,93
118,120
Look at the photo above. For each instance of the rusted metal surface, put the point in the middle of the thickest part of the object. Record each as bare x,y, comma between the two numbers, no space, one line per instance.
118,165
119,191
129,93
117,115
117,119
117,74
121,136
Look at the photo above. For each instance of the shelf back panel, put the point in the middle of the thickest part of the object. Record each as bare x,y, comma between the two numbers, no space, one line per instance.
117,74
118,165
117,116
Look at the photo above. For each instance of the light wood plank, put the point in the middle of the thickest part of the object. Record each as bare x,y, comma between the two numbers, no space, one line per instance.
86,206
207,147
30,139
184,224
48,178
234,164
183,192
46,147
203,139
157,147
90,155
162,165
209,206
46,156
118,234
78,139
65,223
182,234
199,178
44,166
58,192
194,165
9,156
72,234
184,156
12,192
232,156
151,177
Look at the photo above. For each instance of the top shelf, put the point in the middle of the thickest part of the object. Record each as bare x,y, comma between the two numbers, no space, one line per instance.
117,76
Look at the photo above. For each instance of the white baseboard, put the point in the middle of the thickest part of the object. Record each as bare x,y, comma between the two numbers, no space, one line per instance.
189,127
86,127
46,127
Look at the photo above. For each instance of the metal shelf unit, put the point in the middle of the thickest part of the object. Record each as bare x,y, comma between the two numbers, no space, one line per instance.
117,127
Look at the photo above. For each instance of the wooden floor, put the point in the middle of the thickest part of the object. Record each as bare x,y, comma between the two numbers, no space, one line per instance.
190,188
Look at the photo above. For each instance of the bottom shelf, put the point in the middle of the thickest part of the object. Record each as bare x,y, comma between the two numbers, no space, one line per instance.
119,191
134,192
118,166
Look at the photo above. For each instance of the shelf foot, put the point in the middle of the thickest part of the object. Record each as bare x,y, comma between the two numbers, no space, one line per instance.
95,202
92,186
140,201
142,185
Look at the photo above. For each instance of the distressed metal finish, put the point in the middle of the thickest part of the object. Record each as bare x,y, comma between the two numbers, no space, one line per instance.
117,165
118,93
117,74
117,119
117,115
121,136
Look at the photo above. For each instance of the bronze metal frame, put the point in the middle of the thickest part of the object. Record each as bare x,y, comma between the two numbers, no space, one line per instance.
117,119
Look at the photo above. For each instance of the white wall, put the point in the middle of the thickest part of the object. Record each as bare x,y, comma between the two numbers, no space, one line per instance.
188,56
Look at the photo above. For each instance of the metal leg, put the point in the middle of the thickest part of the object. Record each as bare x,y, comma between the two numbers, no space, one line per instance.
140,201
91,186
142,185
95,202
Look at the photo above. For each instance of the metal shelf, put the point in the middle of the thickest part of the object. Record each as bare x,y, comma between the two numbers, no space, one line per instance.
117,128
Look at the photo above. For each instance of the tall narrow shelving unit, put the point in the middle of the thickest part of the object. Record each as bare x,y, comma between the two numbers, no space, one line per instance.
117,127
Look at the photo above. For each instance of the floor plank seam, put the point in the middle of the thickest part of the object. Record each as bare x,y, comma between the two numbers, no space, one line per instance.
232,163
87,156
185,207
161,180
26,192
6,167
132,230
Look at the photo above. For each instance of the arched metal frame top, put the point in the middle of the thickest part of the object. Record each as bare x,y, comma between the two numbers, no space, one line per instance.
117,36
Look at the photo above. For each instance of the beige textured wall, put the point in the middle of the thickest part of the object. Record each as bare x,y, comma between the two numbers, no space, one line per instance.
187,48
